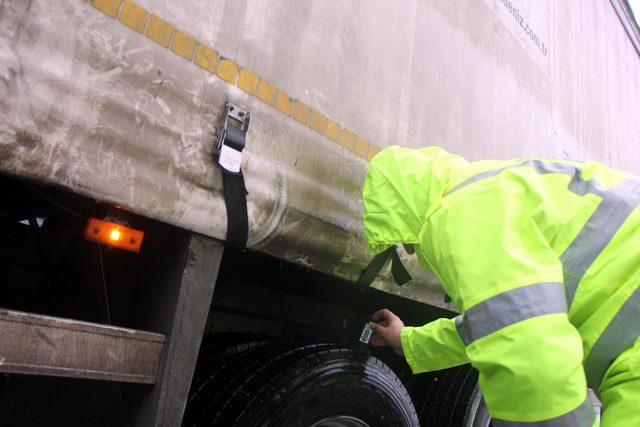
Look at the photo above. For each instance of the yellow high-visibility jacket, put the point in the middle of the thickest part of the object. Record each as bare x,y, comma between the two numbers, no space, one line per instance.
541,257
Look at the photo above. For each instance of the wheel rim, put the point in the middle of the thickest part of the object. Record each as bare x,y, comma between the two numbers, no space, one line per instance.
340,421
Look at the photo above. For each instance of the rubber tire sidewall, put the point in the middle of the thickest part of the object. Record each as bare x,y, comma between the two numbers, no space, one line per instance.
344,387
477,414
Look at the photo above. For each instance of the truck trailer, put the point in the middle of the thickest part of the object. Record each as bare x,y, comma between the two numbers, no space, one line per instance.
181,210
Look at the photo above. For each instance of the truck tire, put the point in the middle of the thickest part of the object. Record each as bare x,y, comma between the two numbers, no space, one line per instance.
453,399
216,348
219,358
477,414
309,385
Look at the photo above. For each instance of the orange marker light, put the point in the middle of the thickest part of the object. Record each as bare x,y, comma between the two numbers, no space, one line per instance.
114,235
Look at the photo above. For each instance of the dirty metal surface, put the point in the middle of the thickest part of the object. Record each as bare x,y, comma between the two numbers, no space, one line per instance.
90,103
183,343
44,345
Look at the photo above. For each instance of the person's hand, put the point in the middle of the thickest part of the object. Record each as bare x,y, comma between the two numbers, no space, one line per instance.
386,330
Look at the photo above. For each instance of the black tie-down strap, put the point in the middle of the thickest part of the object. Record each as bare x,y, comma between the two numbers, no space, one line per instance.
235,199
229,152
399,273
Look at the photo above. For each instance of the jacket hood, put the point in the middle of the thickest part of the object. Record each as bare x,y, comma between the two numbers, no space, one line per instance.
402,187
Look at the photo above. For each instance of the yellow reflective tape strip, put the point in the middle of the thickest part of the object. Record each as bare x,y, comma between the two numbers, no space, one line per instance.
301,112
110,7
183,44
163,33
348,140
362,147
159,31
227,70
267,92
206,57
318,122
247,80
373,150
283,102
334,131
134,16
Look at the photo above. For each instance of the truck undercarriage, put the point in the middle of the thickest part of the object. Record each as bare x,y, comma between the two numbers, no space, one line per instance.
140,321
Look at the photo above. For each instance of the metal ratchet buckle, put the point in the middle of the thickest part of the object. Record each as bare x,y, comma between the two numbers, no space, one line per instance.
235,125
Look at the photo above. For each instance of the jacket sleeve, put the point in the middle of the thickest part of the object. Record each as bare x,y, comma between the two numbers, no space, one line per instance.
495,261
436,345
